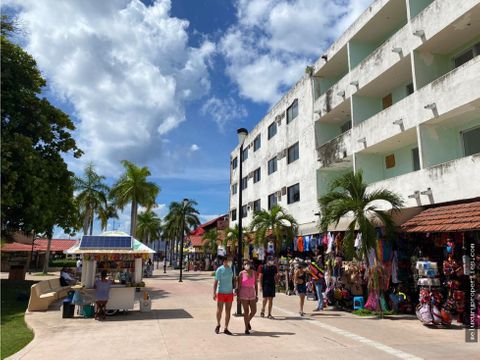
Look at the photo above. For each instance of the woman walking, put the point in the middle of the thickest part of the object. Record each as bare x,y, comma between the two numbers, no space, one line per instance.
247,291
267,279
300,280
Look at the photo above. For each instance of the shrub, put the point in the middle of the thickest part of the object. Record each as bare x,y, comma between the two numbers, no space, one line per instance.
63,263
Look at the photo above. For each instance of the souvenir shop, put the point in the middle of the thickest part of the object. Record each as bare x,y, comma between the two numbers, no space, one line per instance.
445,275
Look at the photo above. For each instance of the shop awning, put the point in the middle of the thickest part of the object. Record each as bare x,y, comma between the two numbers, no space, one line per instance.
458,217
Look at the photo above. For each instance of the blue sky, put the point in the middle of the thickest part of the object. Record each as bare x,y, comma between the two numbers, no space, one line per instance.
166,84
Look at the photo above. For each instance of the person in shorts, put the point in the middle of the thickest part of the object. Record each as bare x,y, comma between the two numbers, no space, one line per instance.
102,291
300,280
267,280
223,293
247,292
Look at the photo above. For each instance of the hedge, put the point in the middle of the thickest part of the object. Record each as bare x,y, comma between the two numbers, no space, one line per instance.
63,263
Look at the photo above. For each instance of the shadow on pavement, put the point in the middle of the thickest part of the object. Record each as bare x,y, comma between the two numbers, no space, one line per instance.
273,334
156,314
325,315
157,294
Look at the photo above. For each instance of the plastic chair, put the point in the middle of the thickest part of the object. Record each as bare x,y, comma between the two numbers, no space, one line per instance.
358,303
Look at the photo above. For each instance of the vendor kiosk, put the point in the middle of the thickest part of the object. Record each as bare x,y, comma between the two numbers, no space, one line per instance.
121,256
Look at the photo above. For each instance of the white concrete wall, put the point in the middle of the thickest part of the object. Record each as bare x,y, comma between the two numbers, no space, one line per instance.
302,171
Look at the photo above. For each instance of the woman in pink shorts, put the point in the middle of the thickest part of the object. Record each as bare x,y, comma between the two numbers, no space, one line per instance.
247,292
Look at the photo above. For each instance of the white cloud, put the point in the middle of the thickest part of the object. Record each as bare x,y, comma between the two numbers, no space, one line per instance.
273,41
125,67
223,111
194,148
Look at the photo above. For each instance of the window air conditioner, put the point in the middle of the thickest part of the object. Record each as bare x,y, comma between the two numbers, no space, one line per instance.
284,190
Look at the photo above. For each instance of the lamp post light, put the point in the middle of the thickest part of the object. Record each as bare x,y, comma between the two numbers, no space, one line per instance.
185,203
165,259
242,134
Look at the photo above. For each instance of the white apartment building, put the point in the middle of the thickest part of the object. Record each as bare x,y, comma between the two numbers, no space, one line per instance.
396,96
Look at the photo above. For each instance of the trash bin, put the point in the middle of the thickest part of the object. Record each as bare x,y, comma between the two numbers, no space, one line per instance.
145,305
17,272
68,309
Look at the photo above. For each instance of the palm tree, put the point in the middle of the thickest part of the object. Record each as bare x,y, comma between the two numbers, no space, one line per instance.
348,195
105,214
169,232
133,187
149,226
232,235
182,213
278,221
210,241
92,195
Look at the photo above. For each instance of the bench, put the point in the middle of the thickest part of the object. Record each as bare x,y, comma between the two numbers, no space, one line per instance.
43,293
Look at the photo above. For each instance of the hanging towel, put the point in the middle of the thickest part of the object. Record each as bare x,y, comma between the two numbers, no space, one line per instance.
395,268
306,242
371,257
325,239
358,240
295,244
330,243
300,245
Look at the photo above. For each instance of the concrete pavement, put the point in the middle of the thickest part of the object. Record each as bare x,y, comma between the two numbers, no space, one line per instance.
182,321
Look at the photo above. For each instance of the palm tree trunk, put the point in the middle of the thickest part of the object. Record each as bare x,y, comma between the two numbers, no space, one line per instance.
91,223
133,218
86,221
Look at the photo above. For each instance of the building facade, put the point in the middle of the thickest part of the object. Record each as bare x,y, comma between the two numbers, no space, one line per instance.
397,96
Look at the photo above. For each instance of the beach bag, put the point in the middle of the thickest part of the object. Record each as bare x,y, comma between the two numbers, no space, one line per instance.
424,314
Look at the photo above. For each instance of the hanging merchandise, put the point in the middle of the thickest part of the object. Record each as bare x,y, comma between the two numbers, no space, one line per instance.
295,244
306,242
358,241
300,244
395,268
325,239
221,250
270,247
261,254
330,243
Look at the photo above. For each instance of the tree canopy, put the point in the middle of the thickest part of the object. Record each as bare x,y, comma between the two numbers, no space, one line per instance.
37,187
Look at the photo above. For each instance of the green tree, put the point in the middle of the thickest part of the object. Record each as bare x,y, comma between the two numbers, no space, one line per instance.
232,235
149,226
37,187
348,196
105,214
91,197
178,211
134,188
278,221
210,241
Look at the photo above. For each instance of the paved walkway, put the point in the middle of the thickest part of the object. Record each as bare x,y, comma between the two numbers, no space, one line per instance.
181,326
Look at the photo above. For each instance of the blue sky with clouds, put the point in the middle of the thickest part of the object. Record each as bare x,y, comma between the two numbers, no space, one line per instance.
166,84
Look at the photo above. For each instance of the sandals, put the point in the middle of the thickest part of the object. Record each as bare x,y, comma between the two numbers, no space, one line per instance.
217,329
227,332
270,317
262,314
249,327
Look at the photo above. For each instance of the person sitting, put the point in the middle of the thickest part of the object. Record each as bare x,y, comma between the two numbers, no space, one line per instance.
65,278
102,289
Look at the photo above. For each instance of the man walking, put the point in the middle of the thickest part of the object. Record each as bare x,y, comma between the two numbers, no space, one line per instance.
223,292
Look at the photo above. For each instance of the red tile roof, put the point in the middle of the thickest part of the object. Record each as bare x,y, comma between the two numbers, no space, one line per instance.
40,245
458,217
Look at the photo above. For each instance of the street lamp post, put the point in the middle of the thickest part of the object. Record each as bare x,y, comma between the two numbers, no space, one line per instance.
242,134
165,259
185,203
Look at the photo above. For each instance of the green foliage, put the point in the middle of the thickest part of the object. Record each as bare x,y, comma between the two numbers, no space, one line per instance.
105,214
37,188
282,225
149,226
92,195
15,334
133,187
348,196
210,241
63,263
232,235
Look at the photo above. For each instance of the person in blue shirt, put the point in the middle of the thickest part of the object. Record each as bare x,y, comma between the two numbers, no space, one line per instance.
223,292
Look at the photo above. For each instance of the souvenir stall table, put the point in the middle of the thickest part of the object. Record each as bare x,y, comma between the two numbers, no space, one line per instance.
122,257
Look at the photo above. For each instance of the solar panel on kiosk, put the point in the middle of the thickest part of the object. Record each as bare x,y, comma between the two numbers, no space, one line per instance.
106,242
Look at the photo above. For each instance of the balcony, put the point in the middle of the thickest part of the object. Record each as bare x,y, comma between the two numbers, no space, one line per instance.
336,95
434,18
336,150
449,181
385,124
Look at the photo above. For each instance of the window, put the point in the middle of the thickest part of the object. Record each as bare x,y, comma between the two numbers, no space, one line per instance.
292,111
467,55
471,141
293,153
416,159
390,161
257,143
234,188
346,126
272,200
244,154
272,130
244,211
256,205
234,163
233,214
409,89
244,183
293,193
256,175
387,101
272,165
